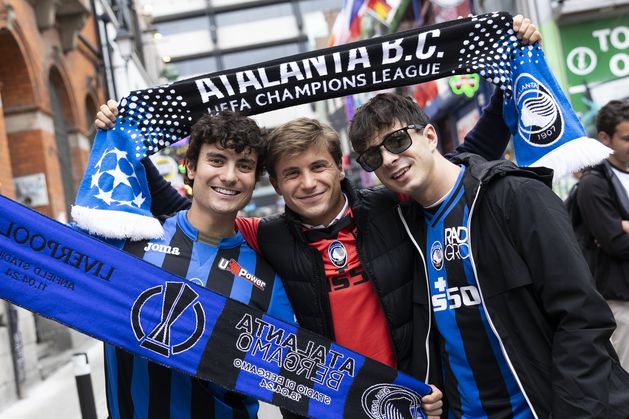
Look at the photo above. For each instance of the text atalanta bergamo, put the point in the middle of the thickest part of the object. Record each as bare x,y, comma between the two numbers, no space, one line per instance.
275,345
71,257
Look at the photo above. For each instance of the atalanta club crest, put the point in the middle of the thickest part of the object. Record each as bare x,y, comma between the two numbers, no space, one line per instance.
384,401
541,123
436,255
337,254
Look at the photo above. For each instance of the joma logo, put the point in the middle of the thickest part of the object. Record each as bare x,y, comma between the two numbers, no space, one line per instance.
162,248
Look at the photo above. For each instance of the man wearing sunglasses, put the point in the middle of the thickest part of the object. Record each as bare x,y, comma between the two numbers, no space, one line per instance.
519,327
395,142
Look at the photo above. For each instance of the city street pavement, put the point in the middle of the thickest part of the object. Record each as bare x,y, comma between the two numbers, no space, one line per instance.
56,397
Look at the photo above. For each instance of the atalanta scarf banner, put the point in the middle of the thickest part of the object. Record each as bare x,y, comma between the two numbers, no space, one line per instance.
83,283
536,109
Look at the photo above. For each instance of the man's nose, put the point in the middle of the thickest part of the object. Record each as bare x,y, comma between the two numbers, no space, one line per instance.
228,175
388,158
308,180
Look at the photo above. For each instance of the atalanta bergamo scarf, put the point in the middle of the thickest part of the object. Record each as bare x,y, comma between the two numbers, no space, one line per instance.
546,130
65,275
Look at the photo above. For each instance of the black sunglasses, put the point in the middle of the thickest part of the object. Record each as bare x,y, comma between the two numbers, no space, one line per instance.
394,142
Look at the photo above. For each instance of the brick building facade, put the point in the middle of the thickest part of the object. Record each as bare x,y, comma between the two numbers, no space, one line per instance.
51,83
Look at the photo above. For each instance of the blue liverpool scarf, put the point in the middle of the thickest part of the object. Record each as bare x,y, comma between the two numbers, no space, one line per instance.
545,128
67,276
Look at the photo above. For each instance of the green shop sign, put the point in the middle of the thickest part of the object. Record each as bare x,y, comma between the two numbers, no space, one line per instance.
595,52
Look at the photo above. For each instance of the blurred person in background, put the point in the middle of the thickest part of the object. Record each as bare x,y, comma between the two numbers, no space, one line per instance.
602,196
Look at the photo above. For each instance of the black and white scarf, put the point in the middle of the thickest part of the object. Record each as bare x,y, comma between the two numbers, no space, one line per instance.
113,199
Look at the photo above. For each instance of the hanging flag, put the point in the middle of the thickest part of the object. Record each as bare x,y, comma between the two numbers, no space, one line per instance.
383,10
347,23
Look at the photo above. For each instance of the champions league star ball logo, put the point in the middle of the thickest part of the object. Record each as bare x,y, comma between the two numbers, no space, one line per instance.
388,401
337,254
178,299
436,255
116,181
541,122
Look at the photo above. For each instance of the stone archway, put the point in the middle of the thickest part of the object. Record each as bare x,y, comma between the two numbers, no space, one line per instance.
63,121
16,92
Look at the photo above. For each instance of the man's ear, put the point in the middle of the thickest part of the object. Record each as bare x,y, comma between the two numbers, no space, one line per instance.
604,137
431,136
340,167
274,184
190,170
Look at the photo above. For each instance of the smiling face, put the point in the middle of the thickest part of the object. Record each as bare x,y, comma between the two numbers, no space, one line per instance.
411,171
223,181
310,183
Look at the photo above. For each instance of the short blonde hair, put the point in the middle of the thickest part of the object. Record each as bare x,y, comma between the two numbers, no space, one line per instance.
298,135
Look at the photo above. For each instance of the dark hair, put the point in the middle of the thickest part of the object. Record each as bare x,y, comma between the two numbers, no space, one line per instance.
381,113
227,130
297,136
612,114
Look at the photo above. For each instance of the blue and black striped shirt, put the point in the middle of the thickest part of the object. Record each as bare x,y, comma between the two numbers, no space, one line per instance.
137,388
478,381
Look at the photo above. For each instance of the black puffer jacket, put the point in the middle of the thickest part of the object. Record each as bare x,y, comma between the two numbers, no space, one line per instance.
388,259
552,324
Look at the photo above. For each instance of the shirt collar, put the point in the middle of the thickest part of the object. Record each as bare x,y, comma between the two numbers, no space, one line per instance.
335,220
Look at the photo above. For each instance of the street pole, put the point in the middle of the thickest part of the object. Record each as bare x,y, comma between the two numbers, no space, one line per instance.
84,385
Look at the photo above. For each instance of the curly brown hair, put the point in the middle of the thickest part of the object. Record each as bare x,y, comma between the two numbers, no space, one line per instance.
228,130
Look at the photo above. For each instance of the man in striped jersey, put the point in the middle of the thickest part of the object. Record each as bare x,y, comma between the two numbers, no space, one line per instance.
199,244
522,332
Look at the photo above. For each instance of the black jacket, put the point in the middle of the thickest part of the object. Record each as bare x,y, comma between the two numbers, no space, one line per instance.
388,259
602,206
553,326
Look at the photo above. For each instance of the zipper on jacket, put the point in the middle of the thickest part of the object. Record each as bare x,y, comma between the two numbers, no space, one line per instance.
480,292
320,280
370,277
427,341
325,297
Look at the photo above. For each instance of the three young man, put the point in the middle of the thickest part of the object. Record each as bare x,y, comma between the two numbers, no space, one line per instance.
222,168
603,202
521,331
348,268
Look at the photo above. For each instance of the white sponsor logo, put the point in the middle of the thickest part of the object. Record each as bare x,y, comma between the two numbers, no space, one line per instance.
232,266
454,297
456,243
162,248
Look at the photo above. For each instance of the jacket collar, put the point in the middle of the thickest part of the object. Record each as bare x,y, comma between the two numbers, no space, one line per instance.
485,171
295,223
